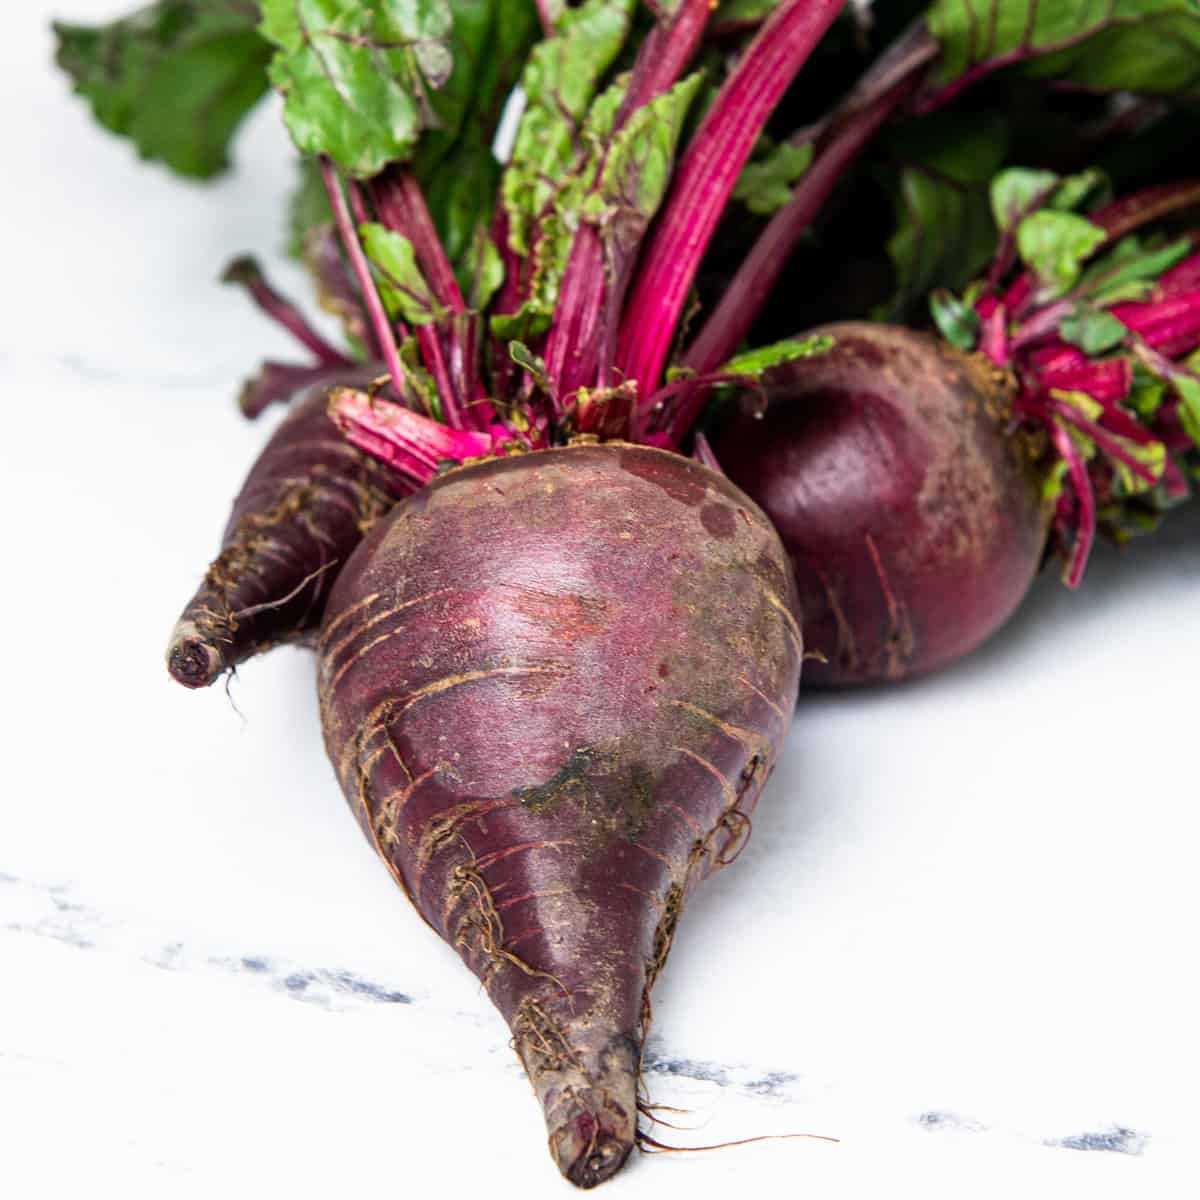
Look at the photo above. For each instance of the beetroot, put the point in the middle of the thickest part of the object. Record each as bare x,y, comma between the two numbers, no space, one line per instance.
554,678
917,485
304,506
553,686
914,521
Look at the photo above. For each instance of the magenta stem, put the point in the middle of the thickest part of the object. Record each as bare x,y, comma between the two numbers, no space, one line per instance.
579,348
1085,530
705,178
248,274
429,340
402,208
358,203
1105,439
1043,324
747,293
665,53
547,11
703,452
362,272
1150,204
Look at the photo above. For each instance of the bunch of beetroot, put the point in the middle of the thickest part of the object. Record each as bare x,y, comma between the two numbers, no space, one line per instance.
559,645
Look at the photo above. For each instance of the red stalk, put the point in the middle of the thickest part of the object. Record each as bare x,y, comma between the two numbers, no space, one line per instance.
358,203
277,383
993,335
362,272
665,53
703,452
1183,277
1170,326
247,273
412,444
1070,370
1140,208
705,177
839,142
1085,530
578,350
402,208
1108,441
743,299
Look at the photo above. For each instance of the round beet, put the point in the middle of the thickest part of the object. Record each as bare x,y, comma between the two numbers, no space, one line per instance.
553,686
912,514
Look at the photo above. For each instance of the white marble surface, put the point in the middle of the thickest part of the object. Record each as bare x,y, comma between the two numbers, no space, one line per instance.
962,939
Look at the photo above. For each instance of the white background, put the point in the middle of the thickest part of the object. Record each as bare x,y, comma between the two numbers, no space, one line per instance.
962,939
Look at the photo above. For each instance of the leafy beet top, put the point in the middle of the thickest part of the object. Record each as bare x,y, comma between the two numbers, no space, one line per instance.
519,304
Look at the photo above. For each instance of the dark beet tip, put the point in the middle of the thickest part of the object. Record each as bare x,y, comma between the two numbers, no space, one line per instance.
590,1101
586,1154
191,660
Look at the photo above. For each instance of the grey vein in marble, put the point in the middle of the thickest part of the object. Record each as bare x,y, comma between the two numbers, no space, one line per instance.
49,912
936,1119
1115,1140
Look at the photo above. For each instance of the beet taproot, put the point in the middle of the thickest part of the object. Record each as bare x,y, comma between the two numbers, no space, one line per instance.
918,481
553,686
306,503
915,522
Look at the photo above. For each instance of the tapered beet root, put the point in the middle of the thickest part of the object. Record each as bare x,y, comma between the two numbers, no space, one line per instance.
913,515
553,686
305,505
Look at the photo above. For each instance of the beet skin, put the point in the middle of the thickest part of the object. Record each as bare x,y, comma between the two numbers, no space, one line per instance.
305,505
913,515
553,686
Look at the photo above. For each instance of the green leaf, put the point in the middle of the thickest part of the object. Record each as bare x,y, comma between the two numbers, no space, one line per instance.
489,44
532,363
957,321
765,184
753,363
559,82
1150,46
308,207
1088,406
1188,389
454,163
1075,190
1130,269
1092,330
944,233
1056,480
638,162
422,389
561,139
744,12
528,322
1151,455
402,287
356,75
175,78
1055,245
1015,192
1147,393
480,270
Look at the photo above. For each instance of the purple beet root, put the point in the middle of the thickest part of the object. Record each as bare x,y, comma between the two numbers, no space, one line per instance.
305,505
912,514
553,685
